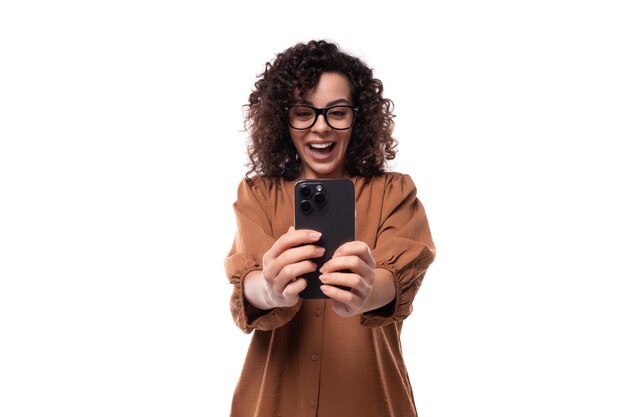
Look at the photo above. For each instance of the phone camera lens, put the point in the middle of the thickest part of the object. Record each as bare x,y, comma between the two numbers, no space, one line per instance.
306,206
305,192
320,199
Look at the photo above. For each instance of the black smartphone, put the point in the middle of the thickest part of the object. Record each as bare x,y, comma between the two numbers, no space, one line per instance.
327,206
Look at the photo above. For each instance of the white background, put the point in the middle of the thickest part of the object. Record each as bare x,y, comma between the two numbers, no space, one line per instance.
122,146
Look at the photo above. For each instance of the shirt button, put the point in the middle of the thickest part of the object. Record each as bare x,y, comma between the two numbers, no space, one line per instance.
311,403
318,312
314,357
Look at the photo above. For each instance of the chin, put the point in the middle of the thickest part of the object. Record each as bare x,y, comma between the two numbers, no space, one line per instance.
326,172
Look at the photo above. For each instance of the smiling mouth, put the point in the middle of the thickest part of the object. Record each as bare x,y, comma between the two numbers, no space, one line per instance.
321,148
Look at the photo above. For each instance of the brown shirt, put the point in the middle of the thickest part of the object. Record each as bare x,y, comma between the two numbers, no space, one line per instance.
305,360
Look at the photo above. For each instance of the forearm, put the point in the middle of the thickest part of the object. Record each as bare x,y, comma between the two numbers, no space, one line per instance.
383,290
254,291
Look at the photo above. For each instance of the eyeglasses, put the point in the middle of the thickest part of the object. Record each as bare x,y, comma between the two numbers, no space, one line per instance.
337,117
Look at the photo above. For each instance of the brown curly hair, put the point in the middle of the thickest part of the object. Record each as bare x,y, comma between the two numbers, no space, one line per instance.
295,71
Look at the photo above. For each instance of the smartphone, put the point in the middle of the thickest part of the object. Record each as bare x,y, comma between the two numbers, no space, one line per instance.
326,206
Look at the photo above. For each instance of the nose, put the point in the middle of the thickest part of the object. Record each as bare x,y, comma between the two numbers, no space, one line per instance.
320,125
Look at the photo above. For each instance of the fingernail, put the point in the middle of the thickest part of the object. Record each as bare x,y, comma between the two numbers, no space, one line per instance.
315,235
338,253
323,278
320,250
323,269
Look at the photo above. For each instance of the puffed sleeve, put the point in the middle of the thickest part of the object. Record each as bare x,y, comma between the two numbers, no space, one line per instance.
252,239
404,247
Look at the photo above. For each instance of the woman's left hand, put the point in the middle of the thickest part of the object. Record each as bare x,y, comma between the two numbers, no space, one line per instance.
355,257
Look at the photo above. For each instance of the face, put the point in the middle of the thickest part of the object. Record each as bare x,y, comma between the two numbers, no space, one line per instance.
321,148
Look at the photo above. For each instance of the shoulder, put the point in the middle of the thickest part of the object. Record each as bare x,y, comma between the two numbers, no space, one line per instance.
397,178
258,187
389,183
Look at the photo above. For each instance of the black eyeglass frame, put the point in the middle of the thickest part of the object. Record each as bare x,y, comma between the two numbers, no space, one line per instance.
323,112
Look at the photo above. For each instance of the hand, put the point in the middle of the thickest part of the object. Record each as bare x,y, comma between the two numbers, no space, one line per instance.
357,258
285,263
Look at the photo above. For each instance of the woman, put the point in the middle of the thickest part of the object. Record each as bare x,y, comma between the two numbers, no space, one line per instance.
317,112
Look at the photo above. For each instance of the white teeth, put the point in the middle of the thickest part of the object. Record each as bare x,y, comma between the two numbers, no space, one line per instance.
321,145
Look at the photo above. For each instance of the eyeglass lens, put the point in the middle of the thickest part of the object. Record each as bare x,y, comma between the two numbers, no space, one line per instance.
337,117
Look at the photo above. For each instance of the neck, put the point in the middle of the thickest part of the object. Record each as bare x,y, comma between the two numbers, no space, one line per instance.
312,175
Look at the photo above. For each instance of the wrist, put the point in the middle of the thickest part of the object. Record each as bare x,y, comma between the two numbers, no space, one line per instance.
254,290
383,291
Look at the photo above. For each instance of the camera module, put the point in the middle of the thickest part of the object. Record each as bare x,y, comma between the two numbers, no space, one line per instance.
320,199
305,191
306,206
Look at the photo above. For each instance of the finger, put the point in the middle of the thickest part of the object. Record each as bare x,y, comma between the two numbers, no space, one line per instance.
293,256
295,288
348,298
292,239
342,278
344,310
356,248
348,282
300,253
350,263
291,273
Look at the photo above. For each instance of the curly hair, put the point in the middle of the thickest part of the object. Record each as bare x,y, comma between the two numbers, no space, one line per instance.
296,71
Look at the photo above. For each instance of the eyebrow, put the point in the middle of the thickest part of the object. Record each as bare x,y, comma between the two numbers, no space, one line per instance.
329,104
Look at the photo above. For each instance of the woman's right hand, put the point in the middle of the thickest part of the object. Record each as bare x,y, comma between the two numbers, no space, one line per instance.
281,281
285,264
